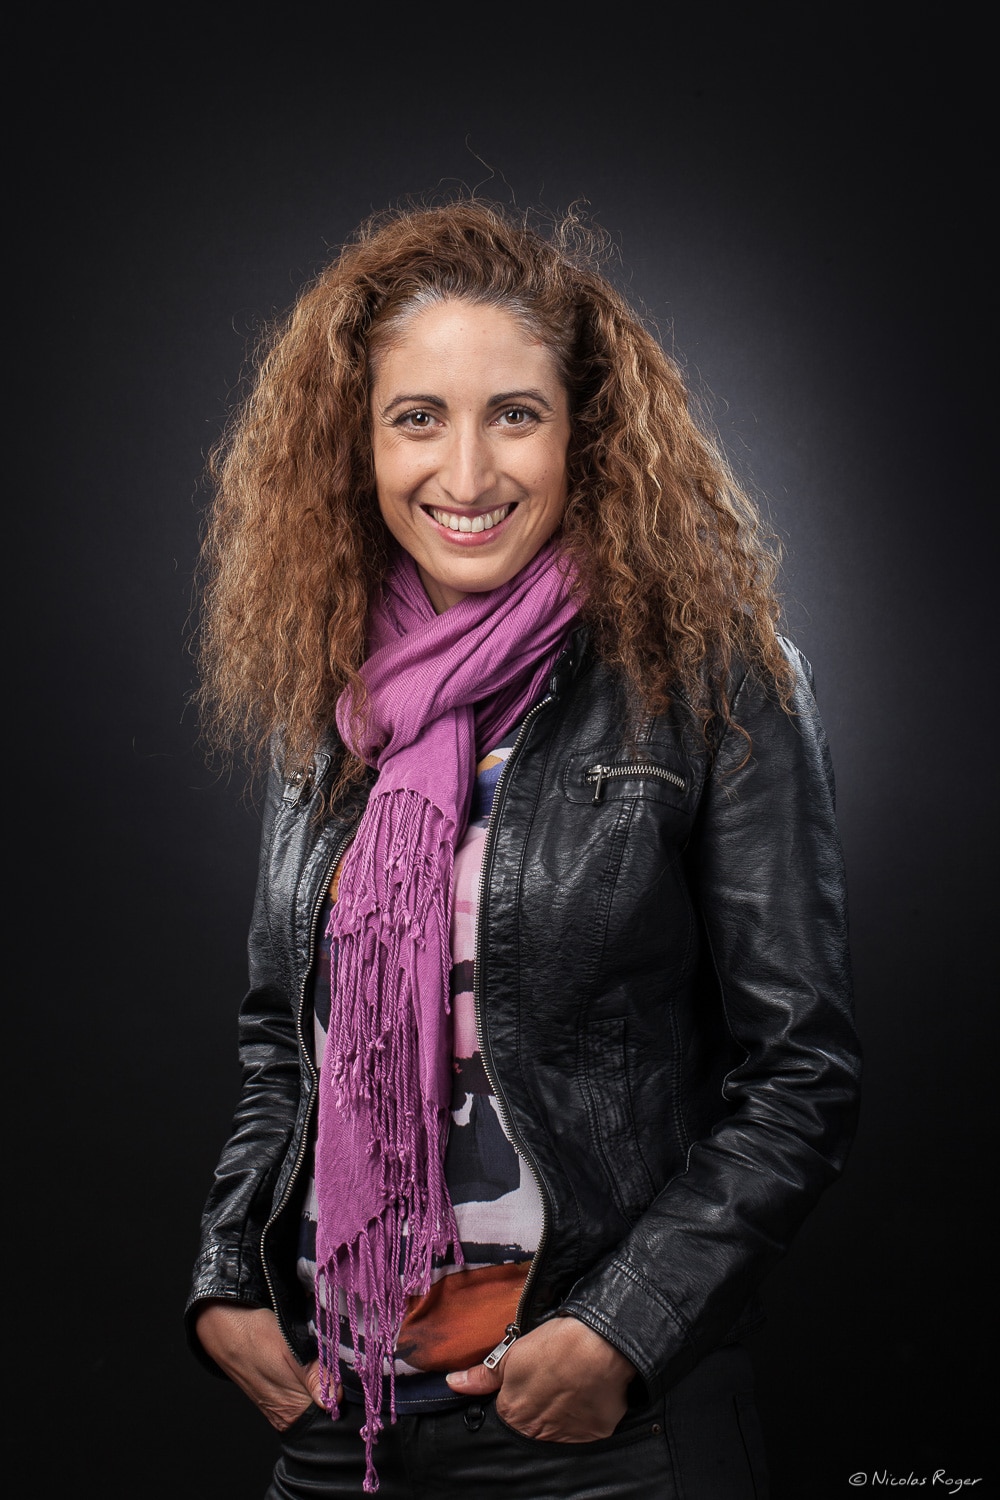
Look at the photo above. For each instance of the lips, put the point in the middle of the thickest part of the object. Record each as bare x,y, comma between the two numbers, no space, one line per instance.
469,523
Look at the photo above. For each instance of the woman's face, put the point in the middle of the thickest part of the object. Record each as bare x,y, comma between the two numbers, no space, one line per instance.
470,426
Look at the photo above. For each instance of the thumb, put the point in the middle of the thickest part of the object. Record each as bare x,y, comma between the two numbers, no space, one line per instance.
314,1384
479,1381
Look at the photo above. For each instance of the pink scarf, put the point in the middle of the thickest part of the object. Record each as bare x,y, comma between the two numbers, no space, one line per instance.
442,690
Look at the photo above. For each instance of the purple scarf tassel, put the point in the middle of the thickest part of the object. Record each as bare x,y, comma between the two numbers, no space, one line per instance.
404,856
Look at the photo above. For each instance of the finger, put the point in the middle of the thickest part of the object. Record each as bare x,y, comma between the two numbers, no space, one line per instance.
479,1381
313,1381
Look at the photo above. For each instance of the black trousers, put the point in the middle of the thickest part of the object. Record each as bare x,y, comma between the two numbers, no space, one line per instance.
701,1441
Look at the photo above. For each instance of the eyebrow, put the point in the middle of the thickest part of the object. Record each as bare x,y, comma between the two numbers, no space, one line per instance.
507,398
504,398
414,400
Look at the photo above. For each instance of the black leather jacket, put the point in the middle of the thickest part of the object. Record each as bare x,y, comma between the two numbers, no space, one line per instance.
664,1002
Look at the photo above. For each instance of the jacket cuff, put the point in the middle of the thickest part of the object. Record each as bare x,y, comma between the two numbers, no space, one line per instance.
220,1276
615,1297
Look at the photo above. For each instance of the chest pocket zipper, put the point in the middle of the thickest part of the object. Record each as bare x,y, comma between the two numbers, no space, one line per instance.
598,775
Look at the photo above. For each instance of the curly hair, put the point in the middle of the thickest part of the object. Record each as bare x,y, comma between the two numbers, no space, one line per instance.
675,574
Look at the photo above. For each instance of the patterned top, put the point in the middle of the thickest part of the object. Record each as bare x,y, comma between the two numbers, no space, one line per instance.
497,1203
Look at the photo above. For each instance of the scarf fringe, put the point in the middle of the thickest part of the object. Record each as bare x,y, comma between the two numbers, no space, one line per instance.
390,928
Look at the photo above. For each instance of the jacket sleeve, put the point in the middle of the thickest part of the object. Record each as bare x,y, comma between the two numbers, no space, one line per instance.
228,1264
768,878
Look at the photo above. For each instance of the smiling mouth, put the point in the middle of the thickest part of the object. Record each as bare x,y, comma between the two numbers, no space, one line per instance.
484,522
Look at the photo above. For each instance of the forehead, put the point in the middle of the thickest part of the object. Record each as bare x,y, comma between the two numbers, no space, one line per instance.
464,340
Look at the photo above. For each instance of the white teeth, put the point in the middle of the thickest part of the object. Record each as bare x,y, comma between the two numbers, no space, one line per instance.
470,523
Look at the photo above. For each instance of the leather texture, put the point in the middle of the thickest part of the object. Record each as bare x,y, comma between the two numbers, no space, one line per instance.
664,996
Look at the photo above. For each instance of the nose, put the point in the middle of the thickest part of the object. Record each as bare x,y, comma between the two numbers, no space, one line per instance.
467,473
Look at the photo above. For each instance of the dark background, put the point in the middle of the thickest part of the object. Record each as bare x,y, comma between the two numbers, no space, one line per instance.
796,206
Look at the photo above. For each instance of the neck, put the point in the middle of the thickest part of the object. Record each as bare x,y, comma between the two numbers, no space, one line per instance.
441,596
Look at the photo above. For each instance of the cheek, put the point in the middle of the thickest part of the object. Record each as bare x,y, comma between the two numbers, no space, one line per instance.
554,481
392,474
554,469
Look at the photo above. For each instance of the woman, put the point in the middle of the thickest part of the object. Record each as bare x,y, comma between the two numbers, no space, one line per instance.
548,1047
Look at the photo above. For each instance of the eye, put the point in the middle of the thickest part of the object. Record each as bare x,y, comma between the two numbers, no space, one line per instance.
517,416
415,419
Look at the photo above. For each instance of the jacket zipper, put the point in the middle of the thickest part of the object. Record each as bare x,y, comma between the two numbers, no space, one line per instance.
324,886
598,775
513,1330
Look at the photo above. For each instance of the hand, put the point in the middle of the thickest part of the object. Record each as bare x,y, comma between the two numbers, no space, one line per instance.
248,1345
562,1382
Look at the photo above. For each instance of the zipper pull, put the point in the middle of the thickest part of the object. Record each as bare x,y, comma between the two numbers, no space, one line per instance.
299,785
597,774
496,1355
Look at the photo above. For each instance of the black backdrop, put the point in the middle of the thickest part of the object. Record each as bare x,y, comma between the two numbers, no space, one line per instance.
795,207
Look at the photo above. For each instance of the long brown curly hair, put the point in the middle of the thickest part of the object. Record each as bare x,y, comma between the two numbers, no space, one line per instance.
676,576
